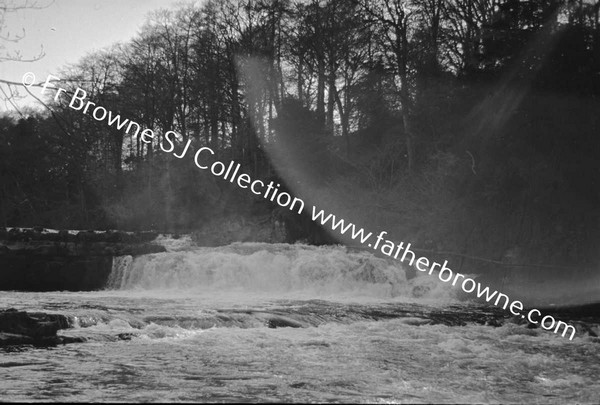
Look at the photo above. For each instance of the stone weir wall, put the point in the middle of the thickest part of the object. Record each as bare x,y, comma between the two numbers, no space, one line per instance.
36,259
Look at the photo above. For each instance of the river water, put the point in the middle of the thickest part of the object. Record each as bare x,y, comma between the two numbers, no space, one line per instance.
276,322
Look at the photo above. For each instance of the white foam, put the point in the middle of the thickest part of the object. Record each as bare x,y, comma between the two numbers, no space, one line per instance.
184,242
280,268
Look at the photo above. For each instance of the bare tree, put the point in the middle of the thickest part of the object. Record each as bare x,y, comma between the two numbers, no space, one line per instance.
9,50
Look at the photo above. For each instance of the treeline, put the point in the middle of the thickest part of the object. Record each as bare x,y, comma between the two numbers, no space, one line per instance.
463,125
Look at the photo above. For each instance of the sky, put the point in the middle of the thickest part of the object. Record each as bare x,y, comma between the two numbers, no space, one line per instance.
69,29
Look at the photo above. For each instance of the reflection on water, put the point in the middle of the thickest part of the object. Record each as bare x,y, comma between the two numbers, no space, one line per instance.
159,341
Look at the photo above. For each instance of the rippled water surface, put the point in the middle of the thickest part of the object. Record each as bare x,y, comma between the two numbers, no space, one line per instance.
287,323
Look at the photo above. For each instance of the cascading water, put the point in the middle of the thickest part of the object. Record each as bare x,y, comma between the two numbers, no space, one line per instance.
289,323
120,266
273,268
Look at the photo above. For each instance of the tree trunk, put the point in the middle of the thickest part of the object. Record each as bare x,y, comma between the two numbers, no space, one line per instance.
321,89
300,78
331,98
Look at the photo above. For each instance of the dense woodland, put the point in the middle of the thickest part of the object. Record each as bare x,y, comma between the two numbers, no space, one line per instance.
464,126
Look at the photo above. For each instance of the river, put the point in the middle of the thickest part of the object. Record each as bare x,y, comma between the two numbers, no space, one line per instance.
276,322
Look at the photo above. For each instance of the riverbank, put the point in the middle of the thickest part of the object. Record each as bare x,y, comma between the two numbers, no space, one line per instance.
38,259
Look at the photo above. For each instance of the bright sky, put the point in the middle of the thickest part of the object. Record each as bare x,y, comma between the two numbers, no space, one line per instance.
69,29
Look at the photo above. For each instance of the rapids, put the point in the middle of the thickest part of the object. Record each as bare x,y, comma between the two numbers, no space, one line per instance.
277,322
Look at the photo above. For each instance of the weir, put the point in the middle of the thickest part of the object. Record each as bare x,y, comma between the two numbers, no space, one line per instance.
47,260
274,270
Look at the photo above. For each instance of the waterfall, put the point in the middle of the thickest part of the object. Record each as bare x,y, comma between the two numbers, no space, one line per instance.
278,268
120,267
